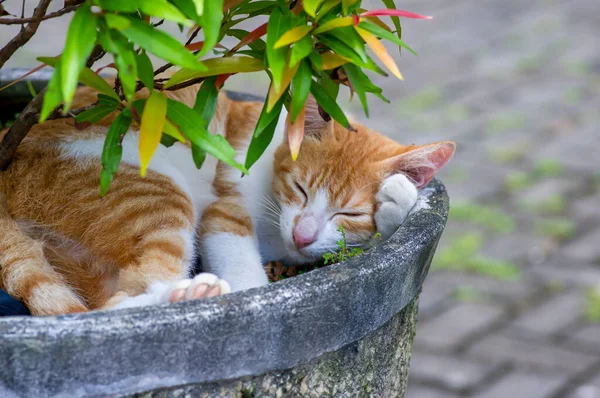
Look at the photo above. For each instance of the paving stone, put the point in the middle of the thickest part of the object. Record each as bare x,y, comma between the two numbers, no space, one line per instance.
421,391
531,354
568,272
512,247
499,290
447,330
574,155
584,339
548,188
449,372
588,389
551,316
434,295
523,385
585,248
586,209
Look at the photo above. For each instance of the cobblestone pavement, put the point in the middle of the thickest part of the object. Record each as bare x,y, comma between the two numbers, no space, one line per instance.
517,85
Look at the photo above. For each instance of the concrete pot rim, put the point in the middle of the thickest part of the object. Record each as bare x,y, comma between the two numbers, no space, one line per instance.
248,333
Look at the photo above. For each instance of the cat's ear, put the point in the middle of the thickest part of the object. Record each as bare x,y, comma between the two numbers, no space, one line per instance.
420,163
317,123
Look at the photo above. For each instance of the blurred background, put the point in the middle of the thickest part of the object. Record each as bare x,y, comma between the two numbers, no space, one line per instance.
512,303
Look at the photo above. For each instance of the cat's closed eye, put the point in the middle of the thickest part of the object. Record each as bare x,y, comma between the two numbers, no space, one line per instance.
299,187
349,214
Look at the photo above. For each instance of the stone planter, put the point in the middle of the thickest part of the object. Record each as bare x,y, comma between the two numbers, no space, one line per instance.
345,330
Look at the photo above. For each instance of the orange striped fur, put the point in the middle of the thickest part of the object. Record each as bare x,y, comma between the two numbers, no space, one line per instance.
64,249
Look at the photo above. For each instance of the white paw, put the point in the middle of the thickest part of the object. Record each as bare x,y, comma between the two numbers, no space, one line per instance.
201,286
396,197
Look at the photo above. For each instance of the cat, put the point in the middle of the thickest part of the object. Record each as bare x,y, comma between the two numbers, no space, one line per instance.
64,249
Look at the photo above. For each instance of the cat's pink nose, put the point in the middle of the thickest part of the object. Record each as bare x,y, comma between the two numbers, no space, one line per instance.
305,231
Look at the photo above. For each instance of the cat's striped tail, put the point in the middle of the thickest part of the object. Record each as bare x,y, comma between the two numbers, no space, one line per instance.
26,274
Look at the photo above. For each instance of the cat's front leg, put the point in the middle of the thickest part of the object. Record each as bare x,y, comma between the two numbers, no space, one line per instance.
396,197
229,247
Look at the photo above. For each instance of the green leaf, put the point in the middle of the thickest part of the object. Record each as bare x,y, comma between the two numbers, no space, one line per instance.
256,45
384,34
113,151
87,77
311,6
293,35
331,87
278,24
162,9
206,100
190,123
267,117
160,44
327,6
119,5
395,20
263,134
328,104
300,50
125,59
53,95
315,59
81,38
189,8
168,141
95,114
117,22
301,83
361,84
253,7
108,100
145,70
341,48
198,156
211,24
217,66
348,36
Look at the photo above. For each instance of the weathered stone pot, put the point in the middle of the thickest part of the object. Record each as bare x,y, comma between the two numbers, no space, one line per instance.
345,330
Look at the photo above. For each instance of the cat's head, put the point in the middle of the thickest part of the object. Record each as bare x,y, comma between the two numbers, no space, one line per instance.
335,179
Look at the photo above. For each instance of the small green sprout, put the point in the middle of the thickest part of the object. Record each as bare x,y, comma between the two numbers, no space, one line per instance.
343,252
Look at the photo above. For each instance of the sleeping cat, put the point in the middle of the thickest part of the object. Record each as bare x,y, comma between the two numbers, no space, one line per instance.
64,249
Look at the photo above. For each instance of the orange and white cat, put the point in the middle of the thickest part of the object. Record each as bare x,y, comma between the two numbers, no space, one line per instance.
64,249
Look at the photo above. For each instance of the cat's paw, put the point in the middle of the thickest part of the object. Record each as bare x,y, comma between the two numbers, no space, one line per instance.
201,286
396,197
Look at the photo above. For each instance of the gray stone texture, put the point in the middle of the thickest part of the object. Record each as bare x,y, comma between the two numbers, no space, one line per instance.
446,331
523,385
376,366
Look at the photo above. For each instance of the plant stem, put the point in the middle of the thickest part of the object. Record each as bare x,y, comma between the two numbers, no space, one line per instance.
55,14
24,34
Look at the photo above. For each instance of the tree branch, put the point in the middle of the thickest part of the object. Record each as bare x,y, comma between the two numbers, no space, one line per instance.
18,21
25,34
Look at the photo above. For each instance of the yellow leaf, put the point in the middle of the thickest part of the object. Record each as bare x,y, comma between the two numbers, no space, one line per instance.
274,95
295,133
379,50
217,66
172,130
292,36
334,23
151,128
332,61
